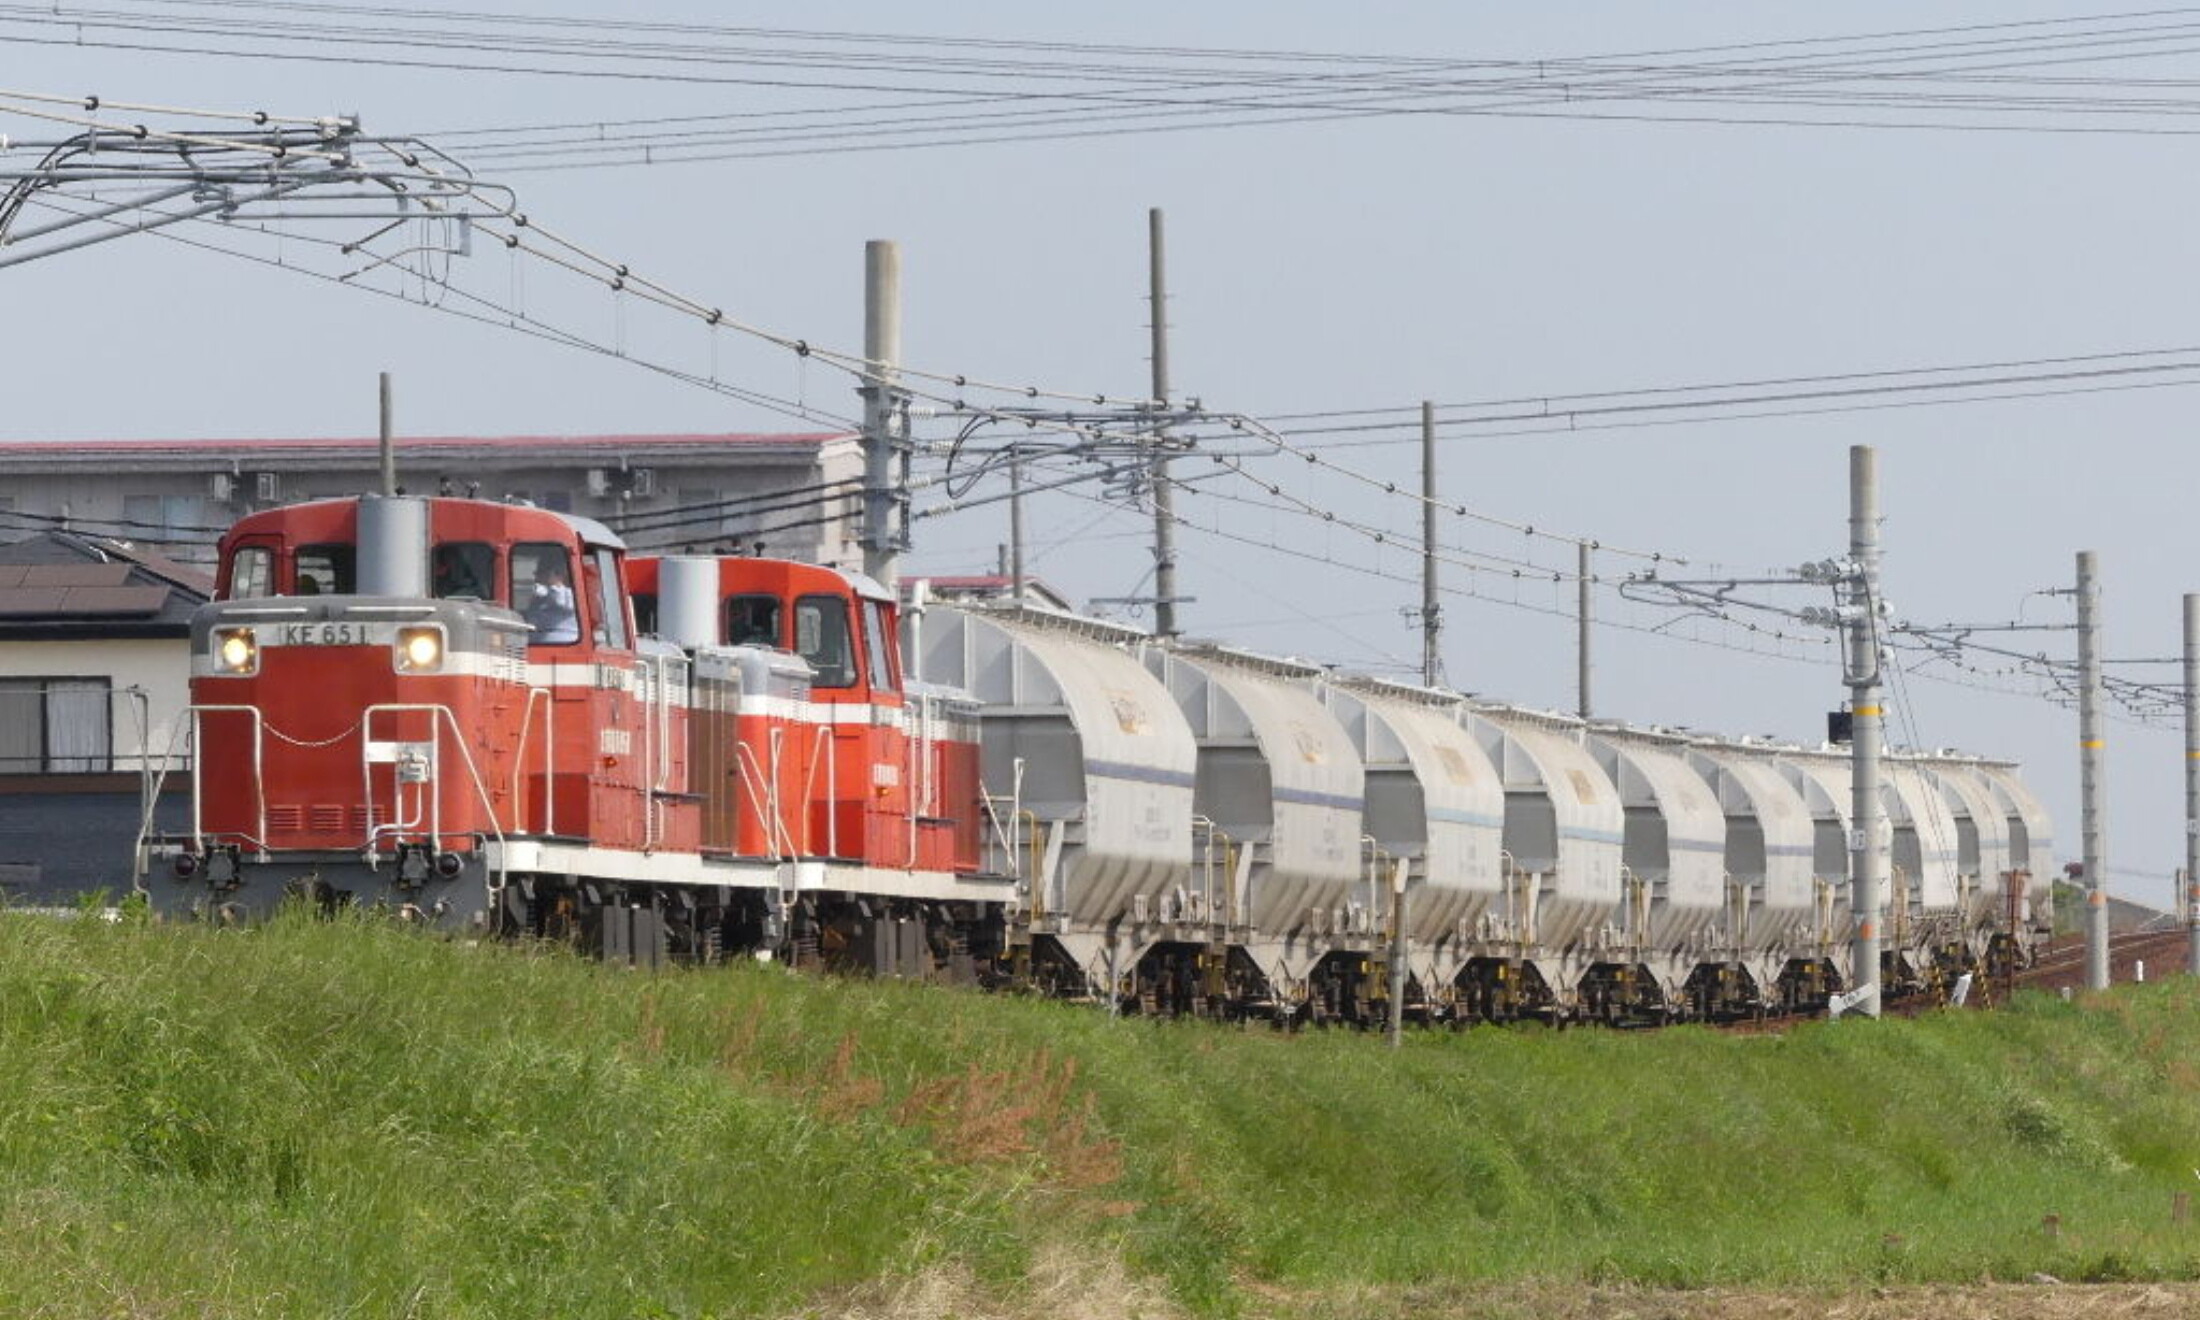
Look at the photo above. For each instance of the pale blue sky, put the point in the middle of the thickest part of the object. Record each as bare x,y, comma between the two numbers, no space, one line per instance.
1317,266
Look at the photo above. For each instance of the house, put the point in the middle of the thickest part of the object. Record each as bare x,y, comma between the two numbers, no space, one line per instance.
94,675
952,588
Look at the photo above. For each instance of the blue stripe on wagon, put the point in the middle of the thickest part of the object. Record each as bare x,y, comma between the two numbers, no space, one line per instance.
1139,774
1307,797
1454,816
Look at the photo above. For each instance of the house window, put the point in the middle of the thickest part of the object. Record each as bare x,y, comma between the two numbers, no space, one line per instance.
153,517
55,726
700,513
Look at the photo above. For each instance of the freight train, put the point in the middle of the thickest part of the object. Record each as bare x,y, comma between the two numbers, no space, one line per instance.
490,718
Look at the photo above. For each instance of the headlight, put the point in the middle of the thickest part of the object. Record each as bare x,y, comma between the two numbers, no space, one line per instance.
235,651
419,650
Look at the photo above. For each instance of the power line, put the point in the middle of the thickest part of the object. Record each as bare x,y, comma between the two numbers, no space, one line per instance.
1129,74
1575,412
1453,589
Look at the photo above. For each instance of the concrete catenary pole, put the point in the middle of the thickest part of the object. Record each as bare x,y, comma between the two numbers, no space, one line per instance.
1015,527
2191,878
1164,497
1868,840
2092,781
389,441
1582,622
883,493
1432,608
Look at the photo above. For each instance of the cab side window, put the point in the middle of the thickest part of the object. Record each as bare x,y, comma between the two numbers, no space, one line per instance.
605,579
878,645
465,570
542,592
325,570
251,573
821,637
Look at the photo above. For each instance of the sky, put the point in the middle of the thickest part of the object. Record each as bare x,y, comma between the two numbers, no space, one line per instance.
1629,217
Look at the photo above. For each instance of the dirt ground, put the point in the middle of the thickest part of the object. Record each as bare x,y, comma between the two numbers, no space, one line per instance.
1946,1302
1065,1287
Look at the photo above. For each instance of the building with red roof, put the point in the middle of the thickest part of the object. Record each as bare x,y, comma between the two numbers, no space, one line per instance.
796,494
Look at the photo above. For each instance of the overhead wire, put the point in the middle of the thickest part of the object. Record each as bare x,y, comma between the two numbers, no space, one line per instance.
1872,386
2101,40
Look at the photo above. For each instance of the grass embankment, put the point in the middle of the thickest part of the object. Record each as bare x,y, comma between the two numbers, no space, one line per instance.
342,1118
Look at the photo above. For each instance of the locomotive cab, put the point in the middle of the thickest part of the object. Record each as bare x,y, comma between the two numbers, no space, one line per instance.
385,688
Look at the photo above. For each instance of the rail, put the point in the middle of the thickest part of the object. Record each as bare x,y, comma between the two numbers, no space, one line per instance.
1230,904
657,751
151,792
918,749
439,717
824,748
1002,835
549,757
761,783
1375,856
1737,913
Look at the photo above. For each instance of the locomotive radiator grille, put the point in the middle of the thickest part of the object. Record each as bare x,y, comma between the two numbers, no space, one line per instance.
323,818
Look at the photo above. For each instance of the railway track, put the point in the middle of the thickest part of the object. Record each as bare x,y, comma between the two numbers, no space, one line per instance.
2061,963
2060,966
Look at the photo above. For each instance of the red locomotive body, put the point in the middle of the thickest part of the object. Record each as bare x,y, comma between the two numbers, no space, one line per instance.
886,775
444,706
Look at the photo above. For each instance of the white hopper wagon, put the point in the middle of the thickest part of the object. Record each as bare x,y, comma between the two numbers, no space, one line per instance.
1673,858
1779,934
1280,779
1436,806
1563,831
1089,769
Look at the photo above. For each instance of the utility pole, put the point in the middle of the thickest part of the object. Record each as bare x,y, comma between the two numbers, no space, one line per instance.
1015,526
885,449
1581,575
1868,813
1432,609
2190,889
2092,786
389,443
1164,498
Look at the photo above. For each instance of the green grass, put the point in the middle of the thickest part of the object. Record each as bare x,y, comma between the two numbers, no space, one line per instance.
341,1118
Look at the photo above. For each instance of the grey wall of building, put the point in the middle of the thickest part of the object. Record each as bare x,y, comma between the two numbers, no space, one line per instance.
57,847
182,495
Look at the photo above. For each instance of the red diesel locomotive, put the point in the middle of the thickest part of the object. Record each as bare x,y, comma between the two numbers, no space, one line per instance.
445,707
